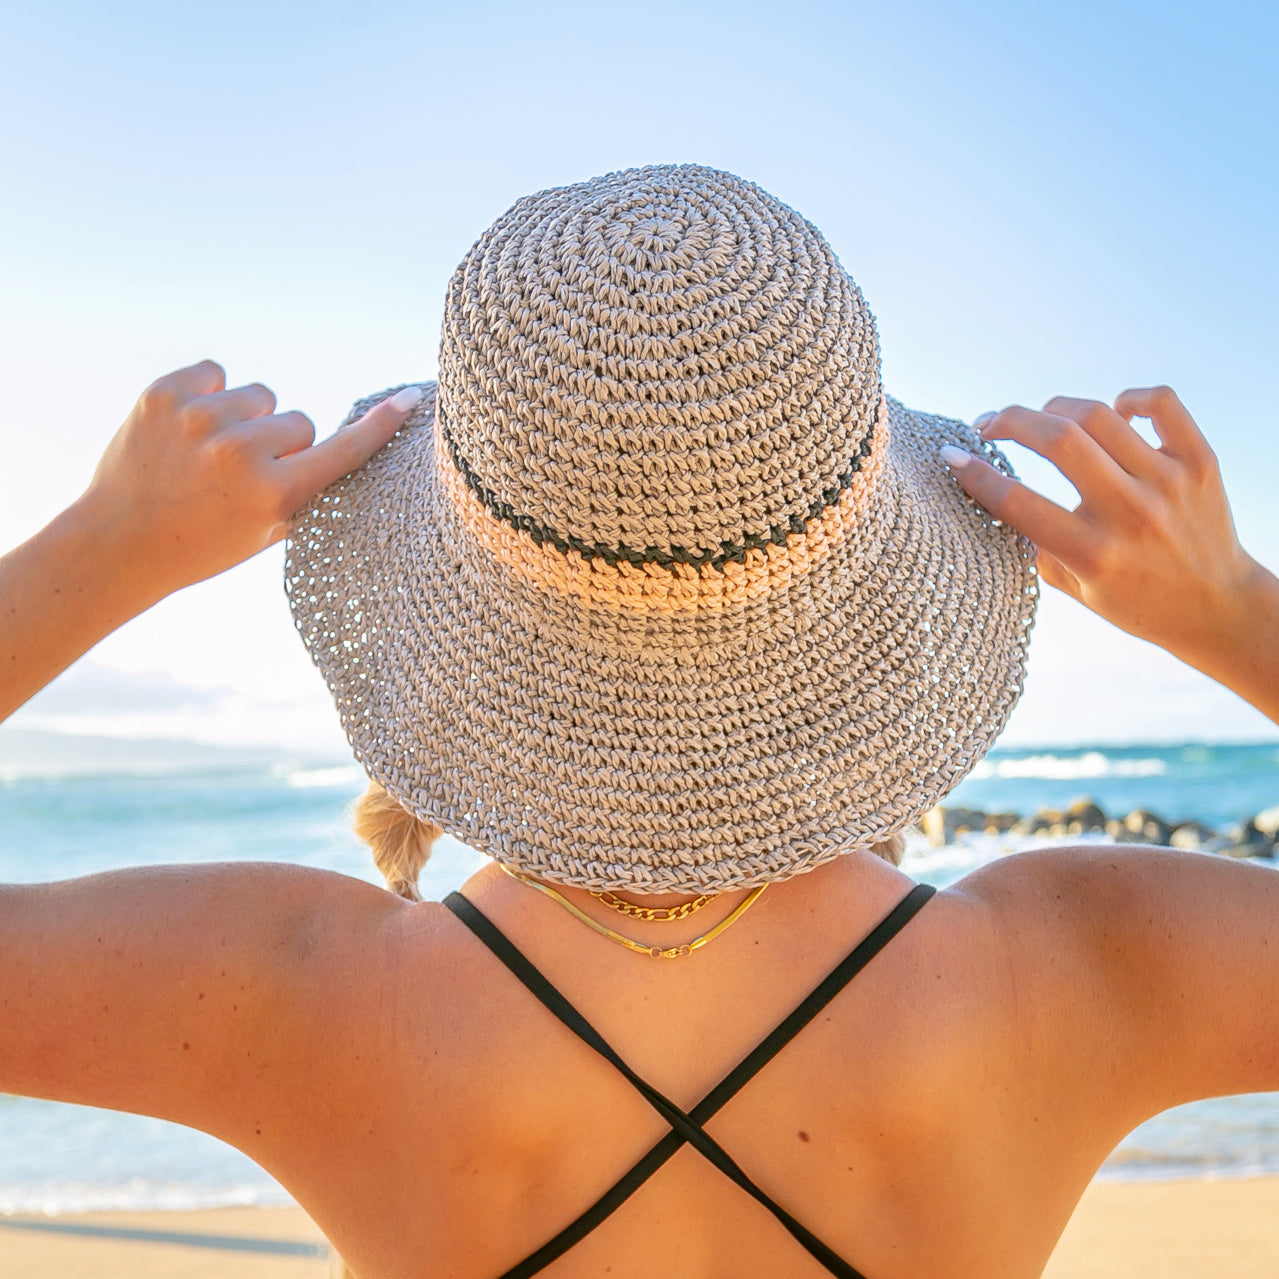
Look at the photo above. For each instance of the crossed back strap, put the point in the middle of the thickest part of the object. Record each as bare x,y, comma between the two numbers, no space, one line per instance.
686,1126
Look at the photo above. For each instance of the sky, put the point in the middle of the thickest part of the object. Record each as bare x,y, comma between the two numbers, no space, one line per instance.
1034,199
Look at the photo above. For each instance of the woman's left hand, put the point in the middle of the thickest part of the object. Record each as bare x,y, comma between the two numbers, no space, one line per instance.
1151,546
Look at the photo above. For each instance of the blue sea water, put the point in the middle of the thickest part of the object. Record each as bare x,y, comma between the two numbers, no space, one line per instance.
1217,785
56,823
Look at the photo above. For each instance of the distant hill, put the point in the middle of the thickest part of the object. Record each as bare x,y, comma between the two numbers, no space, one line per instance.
29,752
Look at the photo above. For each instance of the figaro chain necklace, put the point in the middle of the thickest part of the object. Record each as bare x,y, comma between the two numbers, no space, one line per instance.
651,914
656,952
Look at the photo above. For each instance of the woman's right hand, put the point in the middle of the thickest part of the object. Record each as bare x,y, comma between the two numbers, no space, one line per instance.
200,477
197,479
1151,546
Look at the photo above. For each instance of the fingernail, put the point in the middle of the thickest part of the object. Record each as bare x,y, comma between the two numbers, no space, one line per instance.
404,400
979,422
955,458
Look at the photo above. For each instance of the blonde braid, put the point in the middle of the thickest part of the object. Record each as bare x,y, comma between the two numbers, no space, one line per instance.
891,849
400,842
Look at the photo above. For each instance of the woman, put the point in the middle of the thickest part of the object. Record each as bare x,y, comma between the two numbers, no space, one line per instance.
659,600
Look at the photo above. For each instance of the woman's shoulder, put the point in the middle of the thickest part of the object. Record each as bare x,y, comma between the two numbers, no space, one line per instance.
1153,961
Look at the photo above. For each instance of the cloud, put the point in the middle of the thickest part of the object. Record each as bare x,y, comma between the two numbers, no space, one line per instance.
89,688
93,700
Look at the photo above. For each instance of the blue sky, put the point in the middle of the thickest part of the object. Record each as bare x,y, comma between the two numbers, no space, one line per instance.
1034,199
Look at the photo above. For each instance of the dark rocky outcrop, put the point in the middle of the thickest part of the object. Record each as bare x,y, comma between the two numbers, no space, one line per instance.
1256,836
1083,816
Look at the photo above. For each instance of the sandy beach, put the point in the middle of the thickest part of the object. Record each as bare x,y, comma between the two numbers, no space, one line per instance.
1178,1230
1225,1229
220,1243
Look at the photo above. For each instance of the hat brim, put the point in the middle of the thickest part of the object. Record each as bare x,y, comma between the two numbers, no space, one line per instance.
704,752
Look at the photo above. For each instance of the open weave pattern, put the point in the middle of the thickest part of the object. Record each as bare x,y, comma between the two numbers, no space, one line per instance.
668,594
666,360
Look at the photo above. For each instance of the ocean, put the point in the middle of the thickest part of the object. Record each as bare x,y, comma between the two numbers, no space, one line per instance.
59,820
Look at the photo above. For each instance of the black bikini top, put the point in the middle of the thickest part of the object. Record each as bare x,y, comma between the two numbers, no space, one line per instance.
687,1126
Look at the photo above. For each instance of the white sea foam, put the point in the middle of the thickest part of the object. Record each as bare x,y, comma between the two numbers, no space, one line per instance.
306,778
972,849
136,1195
1069,767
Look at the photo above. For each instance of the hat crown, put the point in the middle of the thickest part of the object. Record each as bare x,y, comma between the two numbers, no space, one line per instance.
662,364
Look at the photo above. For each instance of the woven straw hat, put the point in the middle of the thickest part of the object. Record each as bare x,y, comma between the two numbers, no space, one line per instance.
658,589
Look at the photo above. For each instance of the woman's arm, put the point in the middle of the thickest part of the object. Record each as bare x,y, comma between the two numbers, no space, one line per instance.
165,989
195,993
1151,546
1142,977
1152,976
197,479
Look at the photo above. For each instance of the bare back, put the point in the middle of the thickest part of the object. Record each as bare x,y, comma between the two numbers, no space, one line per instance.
940,1118
932,1122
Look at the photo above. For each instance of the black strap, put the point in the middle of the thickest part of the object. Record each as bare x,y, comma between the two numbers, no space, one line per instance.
686,1127
681,1124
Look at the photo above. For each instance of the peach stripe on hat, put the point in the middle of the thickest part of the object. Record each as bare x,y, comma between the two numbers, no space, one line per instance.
679,588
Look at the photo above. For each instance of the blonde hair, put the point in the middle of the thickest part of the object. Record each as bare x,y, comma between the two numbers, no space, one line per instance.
400,842
891,849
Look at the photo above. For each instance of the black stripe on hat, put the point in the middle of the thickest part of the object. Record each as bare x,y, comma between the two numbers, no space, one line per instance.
727,553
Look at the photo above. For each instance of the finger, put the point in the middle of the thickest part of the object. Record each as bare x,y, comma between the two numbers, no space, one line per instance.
1046,524
237,405
1065,443
316,468
1055,573
176,388
1177,430
1113,433
283,433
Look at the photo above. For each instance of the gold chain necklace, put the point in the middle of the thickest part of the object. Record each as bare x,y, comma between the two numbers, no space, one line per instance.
657,952
651,914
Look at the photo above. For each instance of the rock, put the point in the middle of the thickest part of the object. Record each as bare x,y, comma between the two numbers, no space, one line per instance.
941,825
1048,821
1245,832
1249,835
1145,827
1084,815
1256,837
933,824
998,823
963,821
1267,823
1195,837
